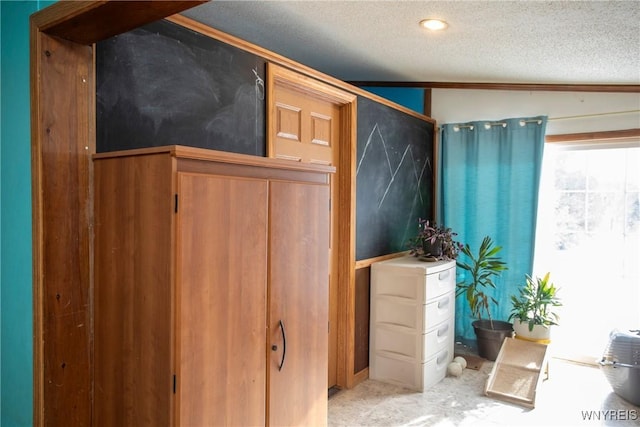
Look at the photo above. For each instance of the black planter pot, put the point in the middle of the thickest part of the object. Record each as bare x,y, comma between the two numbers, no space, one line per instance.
490,339
432,249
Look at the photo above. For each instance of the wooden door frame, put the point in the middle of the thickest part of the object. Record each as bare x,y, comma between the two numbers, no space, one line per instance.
344,227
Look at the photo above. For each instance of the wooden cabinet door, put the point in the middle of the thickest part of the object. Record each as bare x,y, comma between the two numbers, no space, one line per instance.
221,300
298,303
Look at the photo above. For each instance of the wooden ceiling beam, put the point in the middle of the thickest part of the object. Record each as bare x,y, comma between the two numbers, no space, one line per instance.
88,22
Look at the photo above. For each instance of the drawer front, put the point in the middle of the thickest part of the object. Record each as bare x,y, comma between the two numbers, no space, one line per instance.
400,284
414,375
435,369
393,311
439,310
396,342
440,283
392,340
402,372
438,339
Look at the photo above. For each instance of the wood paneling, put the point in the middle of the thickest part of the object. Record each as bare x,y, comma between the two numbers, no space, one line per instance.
361,332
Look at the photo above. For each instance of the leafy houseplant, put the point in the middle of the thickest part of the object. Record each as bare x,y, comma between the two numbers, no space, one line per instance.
434,241
533,307
483,269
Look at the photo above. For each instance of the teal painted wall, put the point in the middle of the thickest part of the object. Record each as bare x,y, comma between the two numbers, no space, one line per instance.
410,97
16,320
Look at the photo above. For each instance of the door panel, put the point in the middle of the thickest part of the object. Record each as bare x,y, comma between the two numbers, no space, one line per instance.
306,127
298,283
221,298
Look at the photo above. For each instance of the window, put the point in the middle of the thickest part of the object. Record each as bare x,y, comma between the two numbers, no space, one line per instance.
588,237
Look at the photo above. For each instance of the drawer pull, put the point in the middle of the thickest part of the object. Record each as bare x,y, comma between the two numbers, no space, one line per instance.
443,303
442,358
443,274
443,330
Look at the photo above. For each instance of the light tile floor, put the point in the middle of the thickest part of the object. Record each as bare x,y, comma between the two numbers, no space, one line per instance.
574,395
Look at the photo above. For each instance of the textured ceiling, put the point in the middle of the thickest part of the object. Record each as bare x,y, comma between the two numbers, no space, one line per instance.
550,42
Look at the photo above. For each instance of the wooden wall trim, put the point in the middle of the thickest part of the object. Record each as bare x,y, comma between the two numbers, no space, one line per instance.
37,235
347,245
427,98
307,84
367,262
613,136
62,140
548,87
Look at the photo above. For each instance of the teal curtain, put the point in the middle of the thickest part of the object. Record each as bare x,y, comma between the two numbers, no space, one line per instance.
490,174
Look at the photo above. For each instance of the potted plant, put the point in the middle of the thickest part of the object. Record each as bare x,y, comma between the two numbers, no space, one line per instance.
482,269
434,242
532,309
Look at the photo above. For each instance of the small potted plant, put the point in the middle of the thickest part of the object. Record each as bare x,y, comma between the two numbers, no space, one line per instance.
434,242
532,309
482,269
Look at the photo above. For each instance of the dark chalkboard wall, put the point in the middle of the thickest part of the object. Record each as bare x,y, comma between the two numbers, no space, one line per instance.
394,178
164,84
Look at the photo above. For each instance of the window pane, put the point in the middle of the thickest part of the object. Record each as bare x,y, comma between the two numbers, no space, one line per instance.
632,223
600,164
569,171
633,170
570,212
605,213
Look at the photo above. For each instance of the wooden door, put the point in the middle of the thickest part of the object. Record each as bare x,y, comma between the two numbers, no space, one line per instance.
298,303
221,300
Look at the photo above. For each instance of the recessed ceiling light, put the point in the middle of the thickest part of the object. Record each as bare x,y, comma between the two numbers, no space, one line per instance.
433,24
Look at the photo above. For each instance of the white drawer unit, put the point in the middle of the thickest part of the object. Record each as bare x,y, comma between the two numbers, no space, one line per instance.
412,321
